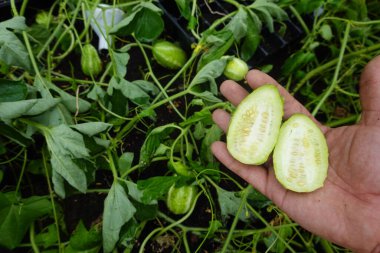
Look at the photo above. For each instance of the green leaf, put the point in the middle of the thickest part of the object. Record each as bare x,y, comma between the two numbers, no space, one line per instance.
130,90
276,245
15,135
144,211
68,142
121,60
72,103
83,239
152,142
149,26
92,128
207,96
306,6
268,11
48,236
12,50
16,217
238,24
229,203
64,145
11,110
11,91
217,44
147,86
118,210
125,162
297,61
1,172
15,23
251,41
145,22
184,8
212,134
154,188
200,116
208,73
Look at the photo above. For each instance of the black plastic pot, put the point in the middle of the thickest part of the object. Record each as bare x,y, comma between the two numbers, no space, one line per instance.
271,44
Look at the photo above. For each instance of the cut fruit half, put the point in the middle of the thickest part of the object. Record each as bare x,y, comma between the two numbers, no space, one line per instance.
300,157
255,125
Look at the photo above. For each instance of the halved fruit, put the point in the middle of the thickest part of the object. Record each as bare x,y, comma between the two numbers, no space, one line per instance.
300,157
255,125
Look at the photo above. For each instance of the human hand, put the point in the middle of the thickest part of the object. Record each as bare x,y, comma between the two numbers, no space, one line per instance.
346,210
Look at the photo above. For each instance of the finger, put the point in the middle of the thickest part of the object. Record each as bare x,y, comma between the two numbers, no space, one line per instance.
233,92
370,92
257,78
221,118
255,175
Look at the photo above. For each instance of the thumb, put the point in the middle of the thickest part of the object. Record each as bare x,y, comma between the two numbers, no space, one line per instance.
370,92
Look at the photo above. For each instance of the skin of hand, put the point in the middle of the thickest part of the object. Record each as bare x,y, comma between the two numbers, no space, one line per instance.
346,210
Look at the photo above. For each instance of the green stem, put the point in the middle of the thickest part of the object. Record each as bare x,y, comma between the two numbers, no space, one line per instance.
51,193
32,239
23,7
326,246
22,171
337,69
327,65
131,123
178,74
270,228
14,8
344,121
233,2
243,202
300,19
163,91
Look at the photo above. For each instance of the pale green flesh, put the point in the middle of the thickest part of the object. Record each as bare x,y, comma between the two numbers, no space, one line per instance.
254,126
300,157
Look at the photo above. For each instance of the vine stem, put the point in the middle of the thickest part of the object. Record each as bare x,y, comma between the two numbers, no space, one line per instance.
236,219
163,91
131,123
337,70
329,64
32,239
300,19
51,193
160,231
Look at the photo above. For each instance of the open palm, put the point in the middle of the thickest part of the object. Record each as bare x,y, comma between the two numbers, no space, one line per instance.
346,210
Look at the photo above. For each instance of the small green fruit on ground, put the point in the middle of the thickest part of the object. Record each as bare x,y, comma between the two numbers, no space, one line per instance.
300,157
90,61
236,69
255,125
180,199
169,55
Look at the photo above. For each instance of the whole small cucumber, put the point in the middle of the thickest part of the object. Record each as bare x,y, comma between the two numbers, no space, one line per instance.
180,199
169,55
90,61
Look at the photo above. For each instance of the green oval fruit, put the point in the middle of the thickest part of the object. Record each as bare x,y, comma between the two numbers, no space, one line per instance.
90,61
180,199
180,168
255,125
169,55
300,157
236,69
